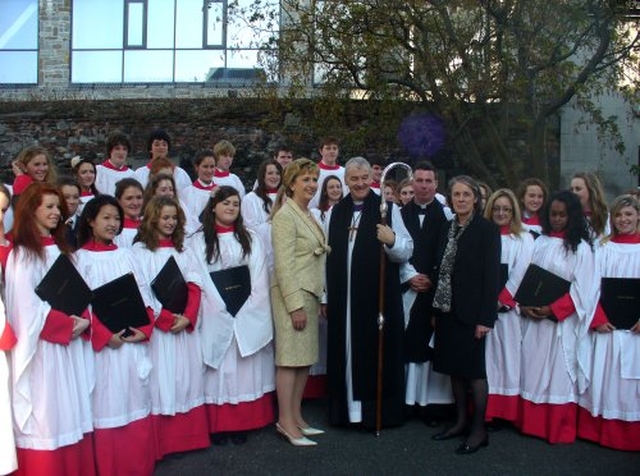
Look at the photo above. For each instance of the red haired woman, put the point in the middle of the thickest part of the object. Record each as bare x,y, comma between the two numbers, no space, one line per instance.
52,365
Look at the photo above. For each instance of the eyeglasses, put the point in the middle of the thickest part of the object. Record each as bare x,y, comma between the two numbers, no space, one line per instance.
506,210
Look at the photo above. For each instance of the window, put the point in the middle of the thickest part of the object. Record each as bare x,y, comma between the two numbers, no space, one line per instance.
147,41
19,42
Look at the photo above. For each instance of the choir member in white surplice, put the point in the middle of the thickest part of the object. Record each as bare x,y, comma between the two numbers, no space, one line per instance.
256,205
51,363
115,168
121,400
239,379
554,355
609,411
503,348
177,393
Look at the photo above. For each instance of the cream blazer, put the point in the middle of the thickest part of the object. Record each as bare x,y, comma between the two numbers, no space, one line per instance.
299,249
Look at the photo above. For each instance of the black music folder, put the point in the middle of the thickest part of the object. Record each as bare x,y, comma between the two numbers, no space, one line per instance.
540,287
620,300
234,286
63,288
119,305
170,287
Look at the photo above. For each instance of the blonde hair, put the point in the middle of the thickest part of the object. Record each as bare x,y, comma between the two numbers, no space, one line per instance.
296,168
28,154
515,227
618,204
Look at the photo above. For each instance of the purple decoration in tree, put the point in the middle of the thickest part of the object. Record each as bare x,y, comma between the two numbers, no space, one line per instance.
422,135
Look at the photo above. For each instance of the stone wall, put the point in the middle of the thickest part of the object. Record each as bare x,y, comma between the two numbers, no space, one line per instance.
255,127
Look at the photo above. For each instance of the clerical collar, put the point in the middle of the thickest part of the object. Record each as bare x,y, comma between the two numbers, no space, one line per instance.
93,245
422,207
224,229
110,165
221,173
358,206
199,184
324,166
629,239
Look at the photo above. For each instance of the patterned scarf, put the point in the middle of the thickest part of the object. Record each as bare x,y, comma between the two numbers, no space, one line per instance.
442,298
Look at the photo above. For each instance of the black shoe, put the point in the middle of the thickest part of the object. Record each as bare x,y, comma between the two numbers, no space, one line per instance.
447,435
239,438
219,439
466,449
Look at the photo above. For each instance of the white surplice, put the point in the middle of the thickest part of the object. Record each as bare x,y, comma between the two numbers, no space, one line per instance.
614,392
121,393
51,383
176,376
555,356
237,352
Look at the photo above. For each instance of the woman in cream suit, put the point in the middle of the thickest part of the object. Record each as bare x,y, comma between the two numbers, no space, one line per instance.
299,247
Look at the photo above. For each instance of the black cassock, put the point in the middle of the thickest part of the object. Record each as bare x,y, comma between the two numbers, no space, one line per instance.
425,261
364,290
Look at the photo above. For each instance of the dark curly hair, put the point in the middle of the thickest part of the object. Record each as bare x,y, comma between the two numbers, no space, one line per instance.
577,228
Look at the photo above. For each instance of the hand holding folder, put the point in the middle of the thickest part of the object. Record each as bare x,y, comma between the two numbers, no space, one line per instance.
620,300
118,305
170,287
540,288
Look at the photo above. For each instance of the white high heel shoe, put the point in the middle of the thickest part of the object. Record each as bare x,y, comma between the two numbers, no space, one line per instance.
311,431
302,441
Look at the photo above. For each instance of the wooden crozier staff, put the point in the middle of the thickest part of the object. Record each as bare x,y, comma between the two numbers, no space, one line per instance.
381,291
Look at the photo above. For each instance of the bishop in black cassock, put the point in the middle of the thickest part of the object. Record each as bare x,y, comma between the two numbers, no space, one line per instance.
352,305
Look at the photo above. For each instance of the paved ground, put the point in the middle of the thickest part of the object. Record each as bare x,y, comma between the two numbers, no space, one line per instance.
407,450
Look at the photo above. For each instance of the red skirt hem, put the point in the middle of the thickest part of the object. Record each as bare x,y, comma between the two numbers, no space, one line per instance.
181,432
504,407
125,450
616,434
242,416
316,387
76,459
554,423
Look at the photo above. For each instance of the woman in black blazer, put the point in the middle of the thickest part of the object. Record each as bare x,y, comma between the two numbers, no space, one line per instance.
465,307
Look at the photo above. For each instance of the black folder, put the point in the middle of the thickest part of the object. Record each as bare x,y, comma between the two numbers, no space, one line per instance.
234,286
540,287
63,288
119,305
170,287
620,300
